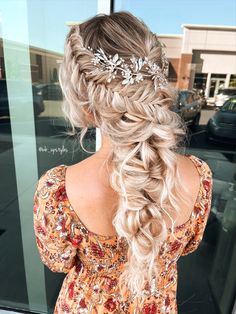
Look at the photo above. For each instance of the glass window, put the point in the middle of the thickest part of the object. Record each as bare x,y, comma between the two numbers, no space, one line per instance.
215,75
32,139
230,105
227,91
200,81
232,82
207,279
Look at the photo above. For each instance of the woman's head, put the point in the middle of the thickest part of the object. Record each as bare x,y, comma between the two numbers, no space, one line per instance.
137,120
120,33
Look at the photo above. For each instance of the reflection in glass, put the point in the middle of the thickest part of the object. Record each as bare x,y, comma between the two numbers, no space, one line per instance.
32,138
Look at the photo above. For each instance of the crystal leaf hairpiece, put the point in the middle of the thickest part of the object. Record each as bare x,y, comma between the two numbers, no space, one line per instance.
132,72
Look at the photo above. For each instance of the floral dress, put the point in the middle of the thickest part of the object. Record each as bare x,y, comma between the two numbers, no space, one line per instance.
93,263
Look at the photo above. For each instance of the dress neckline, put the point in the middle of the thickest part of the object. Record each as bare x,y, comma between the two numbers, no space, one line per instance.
195,161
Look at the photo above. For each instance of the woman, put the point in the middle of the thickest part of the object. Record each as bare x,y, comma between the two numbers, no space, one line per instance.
118,221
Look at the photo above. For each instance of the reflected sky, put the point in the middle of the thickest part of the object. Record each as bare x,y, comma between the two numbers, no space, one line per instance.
167,16
46,22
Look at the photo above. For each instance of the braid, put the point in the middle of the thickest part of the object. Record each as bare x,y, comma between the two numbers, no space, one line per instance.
144,172
144,134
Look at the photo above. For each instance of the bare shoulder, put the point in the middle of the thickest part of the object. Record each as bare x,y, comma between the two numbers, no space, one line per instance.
198,166
187,169
189,176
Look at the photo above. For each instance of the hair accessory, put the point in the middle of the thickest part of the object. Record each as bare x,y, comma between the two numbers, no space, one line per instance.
131,72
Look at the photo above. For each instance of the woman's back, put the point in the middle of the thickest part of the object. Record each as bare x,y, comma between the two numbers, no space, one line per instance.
95,202
110,225
82,243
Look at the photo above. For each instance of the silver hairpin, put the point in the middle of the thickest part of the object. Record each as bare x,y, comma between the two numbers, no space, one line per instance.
131,72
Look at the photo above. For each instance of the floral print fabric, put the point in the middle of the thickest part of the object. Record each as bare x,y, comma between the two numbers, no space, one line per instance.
93,263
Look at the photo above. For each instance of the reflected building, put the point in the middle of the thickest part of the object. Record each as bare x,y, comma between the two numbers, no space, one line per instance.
203,57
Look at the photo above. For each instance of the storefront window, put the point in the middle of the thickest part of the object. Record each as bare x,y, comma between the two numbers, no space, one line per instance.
32,138
32,35
207,278
200,81
232,82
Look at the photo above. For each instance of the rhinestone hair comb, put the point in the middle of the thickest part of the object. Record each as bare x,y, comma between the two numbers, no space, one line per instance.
133,72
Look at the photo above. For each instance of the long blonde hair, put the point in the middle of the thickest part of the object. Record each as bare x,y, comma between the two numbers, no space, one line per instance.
143,131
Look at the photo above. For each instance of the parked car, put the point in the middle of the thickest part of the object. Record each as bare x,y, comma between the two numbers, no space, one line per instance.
50,91
188,106
222,126
4,105
223,95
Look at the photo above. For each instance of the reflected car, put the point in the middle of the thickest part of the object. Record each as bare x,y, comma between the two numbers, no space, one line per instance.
50,91
222,126
188,106
4,105
223,95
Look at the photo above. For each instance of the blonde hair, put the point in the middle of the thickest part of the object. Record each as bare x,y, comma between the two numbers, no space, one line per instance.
143,131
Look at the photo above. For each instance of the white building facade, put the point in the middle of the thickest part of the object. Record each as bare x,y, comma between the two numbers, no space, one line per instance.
204,57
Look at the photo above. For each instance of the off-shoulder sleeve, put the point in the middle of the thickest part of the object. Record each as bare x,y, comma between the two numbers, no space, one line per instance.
52,223
201,211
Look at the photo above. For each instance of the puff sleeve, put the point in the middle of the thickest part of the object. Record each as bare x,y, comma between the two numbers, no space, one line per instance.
201,211
52,223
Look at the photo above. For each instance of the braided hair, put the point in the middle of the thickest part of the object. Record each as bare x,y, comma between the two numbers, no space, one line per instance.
143,131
